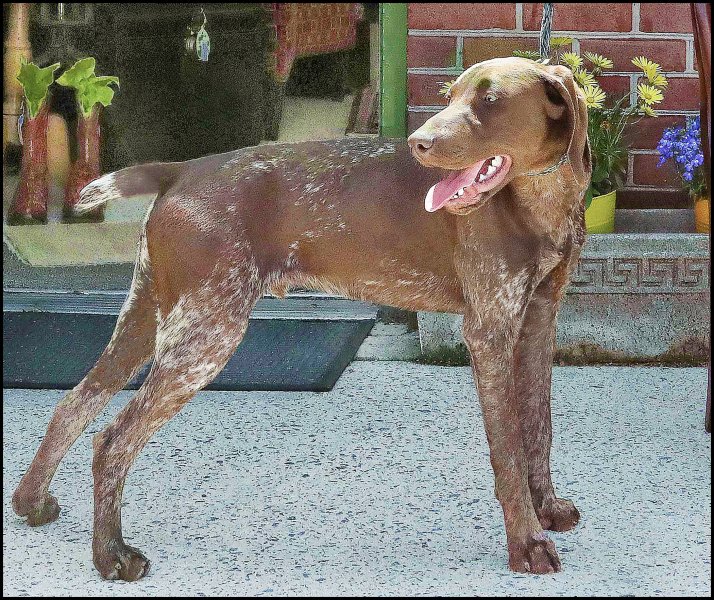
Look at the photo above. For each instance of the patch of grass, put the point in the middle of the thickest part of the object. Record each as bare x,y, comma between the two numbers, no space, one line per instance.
446,356
687,354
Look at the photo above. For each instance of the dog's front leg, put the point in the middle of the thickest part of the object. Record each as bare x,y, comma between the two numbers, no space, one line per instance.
491,336
533,370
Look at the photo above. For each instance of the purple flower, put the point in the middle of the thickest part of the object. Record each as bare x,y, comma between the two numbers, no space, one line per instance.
682,145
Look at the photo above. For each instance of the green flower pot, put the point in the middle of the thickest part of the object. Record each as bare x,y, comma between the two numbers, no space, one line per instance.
600,215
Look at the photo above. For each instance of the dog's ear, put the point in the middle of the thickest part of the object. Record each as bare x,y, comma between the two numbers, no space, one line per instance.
563,94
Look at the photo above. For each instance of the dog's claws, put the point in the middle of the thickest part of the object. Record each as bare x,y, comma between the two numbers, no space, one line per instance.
125,563
37,513
536,554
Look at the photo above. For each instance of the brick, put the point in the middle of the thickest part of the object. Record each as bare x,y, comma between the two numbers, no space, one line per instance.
645,134
646,172
477,49
461,15
416,119
671,17
586,16
423,90
431,51
671,55
615,85
681,94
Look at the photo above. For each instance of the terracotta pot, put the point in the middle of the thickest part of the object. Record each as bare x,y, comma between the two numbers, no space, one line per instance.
29,206
600,215
85,169
702,214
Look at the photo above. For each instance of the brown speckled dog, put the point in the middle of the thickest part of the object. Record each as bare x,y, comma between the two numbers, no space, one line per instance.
496,243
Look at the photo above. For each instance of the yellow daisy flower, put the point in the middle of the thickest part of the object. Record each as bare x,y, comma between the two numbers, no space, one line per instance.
594,96
584,78
557,42
530,54
647,110
658,80
649,68
446,86
649,95
598,60
642,63
572,60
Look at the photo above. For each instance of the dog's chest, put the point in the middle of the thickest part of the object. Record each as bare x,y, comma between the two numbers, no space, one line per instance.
556,248
549,258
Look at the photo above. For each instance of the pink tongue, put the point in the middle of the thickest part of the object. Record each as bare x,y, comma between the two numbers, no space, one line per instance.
437,196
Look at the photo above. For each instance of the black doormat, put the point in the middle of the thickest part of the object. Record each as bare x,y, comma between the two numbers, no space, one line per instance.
46,350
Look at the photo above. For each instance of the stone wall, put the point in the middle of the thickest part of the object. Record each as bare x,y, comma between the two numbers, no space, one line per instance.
633,298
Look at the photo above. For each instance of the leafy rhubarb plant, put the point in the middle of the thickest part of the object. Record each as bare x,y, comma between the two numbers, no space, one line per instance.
89,88
91,93
29,204
35,82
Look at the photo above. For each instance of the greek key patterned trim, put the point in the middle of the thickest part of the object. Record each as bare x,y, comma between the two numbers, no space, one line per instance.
640,275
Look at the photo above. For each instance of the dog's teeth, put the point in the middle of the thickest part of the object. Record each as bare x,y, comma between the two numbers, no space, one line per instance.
460,192
497,161
482,177
490,171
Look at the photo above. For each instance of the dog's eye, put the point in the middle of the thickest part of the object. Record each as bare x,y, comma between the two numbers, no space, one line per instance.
490,97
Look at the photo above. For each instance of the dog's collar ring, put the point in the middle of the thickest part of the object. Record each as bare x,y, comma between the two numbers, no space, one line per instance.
551,169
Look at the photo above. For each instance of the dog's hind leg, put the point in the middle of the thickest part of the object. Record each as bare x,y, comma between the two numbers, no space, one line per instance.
131,346
195,338
532,373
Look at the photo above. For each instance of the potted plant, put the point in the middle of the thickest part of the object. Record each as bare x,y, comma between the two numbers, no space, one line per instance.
29,205
92,93
607,120
683,146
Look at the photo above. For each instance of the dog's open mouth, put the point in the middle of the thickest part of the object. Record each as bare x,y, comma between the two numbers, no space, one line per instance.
466,187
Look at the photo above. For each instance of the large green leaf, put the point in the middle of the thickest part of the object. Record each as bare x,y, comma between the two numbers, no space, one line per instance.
35,81
107,79
79,72
588,197
600,172
90,89
95,91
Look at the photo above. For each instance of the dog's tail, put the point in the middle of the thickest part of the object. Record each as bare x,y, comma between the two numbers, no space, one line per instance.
152,178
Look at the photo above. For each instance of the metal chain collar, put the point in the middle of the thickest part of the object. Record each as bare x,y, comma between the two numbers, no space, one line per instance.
551,169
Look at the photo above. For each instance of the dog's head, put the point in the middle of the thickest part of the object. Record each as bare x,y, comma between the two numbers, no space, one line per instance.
506,118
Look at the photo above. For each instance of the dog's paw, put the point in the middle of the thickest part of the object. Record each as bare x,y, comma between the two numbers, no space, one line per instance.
120,561
535,554
558,515
38,512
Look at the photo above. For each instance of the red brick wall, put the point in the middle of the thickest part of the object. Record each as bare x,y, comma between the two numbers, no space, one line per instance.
444,39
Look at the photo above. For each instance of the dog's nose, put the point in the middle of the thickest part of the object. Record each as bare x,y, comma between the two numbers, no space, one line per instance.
420,143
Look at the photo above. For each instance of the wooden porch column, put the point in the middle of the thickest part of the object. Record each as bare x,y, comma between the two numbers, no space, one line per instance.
17,46
702,21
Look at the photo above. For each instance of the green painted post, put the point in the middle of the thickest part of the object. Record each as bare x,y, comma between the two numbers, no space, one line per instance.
393,69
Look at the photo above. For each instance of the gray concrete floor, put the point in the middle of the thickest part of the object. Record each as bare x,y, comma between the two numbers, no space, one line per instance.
381,487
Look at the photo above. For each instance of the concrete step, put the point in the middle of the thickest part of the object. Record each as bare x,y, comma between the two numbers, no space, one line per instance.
636,296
